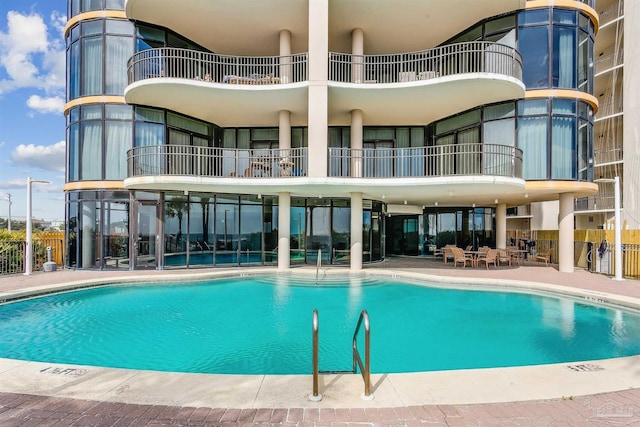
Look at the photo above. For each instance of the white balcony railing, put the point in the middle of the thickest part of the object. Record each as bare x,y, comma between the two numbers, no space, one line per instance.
458,58
210,67
609,61
212,162
434,161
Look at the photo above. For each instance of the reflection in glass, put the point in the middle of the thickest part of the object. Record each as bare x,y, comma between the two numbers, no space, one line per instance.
116,235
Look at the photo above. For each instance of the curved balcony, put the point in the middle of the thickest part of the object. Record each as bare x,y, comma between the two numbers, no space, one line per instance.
246,90
420,87
427,162
451,174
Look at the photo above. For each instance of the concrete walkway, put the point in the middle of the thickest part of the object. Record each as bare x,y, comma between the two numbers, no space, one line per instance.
45,394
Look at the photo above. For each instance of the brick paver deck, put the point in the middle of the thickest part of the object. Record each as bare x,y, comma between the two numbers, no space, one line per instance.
618,408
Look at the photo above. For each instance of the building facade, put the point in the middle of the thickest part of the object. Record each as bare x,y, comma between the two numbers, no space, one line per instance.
204,134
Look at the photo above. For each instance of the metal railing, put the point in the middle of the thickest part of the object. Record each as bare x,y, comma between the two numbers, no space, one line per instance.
611,155
458,58
593,203
12,254
609,107
211,67
214,162
611,60
315,396
365,369
433,161
613,12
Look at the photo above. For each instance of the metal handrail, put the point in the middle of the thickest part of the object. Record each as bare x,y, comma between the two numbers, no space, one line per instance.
452,59
315,396
210,67
365,369
215,162
432,161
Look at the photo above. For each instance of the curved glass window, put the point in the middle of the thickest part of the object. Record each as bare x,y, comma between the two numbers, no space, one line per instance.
554,134
75,7
97,55
556,45
98,136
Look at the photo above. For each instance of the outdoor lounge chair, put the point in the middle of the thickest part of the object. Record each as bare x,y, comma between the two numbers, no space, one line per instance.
546,257
503,256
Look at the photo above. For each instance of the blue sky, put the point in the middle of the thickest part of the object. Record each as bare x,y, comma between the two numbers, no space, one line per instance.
32,96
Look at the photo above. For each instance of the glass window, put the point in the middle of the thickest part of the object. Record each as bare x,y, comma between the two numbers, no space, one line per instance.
74,71
499,111
119,26
563,137
119,50
74,8
564,106
90,28
500,25
564,58
149,115
185,123
117,142
562,16
90,112
118,112
92,66
532,140
91,5
533,44
73,150
533,106
114,4
116,235
536,16
148,134
91,151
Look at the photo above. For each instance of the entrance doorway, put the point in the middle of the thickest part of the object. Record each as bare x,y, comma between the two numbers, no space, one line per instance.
145,245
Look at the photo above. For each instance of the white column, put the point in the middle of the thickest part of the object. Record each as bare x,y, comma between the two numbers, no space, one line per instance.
318,93
284,230
356,231
284,128
618,230
285,53
356,143
28,250
565,234
88,234
357,60
501,226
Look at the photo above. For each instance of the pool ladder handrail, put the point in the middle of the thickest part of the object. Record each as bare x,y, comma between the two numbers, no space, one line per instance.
318,264
365,368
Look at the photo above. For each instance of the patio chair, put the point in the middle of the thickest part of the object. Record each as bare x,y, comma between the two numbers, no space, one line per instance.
460,257
503,256
546,257
489,257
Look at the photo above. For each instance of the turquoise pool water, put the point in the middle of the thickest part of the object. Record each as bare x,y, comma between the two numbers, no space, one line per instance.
262,325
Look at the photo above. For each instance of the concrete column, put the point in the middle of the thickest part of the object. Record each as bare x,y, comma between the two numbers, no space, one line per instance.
318,88
501,226
88,234
357,60
284,128
565,234
356,231
285,54
284,230
356,143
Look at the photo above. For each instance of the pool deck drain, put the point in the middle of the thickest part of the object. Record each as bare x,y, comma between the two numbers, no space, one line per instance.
34,393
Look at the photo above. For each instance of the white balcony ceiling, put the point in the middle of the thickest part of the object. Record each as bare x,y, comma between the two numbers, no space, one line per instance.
252,27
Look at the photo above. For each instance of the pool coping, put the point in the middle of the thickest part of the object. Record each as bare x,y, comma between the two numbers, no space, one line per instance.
489,385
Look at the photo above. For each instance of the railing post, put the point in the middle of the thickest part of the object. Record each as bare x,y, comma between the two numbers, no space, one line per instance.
315,396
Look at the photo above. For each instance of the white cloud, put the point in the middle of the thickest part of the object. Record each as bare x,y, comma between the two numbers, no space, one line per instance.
21,184
30,59
13,183
46,157
46,105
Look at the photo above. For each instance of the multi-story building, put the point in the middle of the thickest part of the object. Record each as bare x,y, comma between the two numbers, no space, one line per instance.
235,132
616,138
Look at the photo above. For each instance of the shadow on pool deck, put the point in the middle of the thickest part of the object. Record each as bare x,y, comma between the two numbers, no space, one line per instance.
621,407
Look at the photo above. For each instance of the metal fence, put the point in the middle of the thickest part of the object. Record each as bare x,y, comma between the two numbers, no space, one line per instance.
12,254
440,160
211,67
215,162
457,58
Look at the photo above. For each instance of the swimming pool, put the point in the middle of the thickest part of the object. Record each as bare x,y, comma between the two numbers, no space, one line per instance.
262,325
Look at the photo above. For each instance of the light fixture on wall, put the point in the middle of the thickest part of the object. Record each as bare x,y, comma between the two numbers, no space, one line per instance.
259,196
473,205
526,195
186,192
435,204
383,197
405,202
495,201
